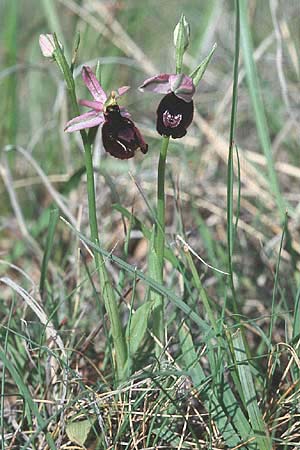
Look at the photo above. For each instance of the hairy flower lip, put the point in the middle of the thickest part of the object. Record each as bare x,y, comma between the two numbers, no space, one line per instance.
174,116
181,85
120,137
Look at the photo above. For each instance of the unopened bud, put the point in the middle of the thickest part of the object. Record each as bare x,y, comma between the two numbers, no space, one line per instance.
182,34
47,45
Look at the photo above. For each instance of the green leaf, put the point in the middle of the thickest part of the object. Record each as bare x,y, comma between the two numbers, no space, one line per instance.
296,319
218,400
54,214
75,50
137,328
154,269
203,326
136,223
263,440
78,431
198,73
73,181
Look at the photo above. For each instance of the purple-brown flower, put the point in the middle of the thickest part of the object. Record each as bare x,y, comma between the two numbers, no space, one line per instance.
120,137
176,109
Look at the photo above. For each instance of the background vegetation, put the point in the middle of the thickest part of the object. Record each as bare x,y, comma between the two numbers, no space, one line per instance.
232,383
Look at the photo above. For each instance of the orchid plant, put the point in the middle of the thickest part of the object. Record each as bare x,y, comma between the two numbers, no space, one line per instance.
51,48
174,115
122,139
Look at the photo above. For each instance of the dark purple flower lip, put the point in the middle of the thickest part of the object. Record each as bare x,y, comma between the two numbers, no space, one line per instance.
120,137
176,109
174,115
171,120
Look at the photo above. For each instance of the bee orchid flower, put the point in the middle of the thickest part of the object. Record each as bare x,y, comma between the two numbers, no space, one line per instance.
176,109
120,137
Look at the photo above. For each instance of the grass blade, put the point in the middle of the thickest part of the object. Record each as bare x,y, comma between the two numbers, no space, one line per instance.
53,219
3,377
230,172
296,321
255,416
9,90
227,414
29,403
201,290
275,288
258,106
52,18
204,327
168,254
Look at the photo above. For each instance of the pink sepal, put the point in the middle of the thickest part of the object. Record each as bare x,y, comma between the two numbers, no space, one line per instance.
87,120
93,85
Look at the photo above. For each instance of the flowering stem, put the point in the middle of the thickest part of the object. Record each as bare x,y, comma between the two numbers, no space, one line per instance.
160,240
160,234
106,287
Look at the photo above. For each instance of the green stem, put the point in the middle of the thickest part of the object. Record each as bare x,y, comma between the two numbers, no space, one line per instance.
111,305
158,319
9,103
230,174
160,237
107,291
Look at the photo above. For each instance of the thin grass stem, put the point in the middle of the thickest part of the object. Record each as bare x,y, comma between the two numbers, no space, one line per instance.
276,278
9,100
230,173
3,377
201,290
258,107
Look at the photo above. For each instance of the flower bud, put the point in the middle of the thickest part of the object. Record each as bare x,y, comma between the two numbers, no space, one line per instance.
47,45
182,34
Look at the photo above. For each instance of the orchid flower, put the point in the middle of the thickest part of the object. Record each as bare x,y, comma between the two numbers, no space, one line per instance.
121,138
176,109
